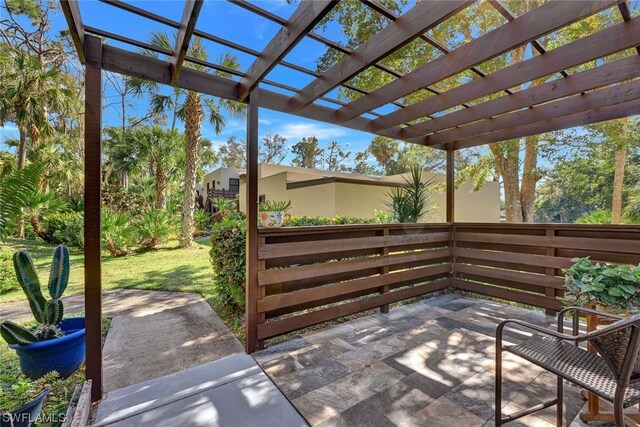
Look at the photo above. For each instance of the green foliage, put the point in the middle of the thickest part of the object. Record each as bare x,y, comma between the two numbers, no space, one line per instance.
7,279
614,287
274,206
154,227
307,153
410,202
311,221
228,238
65,229
13,191
116,198
118,233
202,220
47,313
226,206
383,217
595,217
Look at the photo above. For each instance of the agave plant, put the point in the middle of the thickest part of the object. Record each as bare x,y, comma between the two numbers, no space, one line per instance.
48,313
274,206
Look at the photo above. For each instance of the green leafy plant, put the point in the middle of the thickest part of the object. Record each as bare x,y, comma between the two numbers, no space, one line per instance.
595,217
228,238
117,232
274,206
383,217
613,287
7,280
410,202
155,226
65,229
13,190
310,221
49,313
202,220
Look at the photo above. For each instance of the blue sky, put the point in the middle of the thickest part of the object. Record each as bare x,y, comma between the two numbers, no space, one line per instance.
229,21
226,20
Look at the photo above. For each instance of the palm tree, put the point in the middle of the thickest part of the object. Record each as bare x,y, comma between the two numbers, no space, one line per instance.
190,107
28,92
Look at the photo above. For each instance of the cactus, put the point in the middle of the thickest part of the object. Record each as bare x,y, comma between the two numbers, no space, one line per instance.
48,313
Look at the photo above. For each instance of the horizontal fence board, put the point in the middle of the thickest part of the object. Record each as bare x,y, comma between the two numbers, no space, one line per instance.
511,275
283,300
507,294
516,258
279,327
281,250
269,277
601,244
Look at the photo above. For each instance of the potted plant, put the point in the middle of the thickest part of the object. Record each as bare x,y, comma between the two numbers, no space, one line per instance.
605,287
273,213
54,344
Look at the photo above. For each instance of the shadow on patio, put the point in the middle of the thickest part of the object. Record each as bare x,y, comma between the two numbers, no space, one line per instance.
428,363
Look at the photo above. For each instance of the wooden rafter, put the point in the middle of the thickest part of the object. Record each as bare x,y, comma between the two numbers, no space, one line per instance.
612,112
534,24
613,95
185,32
74,21
615,39
306,16
613,72
420,18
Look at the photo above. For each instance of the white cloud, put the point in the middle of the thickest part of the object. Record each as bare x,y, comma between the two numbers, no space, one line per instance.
299,130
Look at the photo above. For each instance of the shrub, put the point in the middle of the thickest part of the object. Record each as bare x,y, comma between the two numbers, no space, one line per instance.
118,199
153,227
595,217
117,232
383,217
8,280
613,287
65,229
309,221
202,220
228,238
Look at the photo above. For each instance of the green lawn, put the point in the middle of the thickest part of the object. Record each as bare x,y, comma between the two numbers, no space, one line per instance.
168,268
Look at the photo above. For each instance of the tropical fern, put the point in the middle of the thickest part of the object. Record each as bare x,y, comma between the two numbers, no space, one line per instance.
13,192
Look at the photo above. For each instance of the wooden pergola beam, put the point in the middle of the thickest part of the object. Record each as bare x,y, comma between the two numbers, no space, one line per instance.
594,78
185,32
609,96
533,24
612,112
71,13
306,16
423,16
611,40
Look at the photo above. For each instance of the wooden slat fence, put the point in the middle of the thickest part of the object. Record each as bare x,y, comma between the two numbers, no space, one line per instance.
309,275
523,262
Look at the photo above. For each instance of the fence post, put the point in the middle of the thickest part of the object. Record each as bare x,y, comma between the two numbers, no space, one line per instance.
383,271
550,271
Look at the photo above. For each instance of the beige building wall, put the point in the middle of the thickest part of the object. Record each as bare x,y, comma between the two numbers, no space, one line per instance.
361,195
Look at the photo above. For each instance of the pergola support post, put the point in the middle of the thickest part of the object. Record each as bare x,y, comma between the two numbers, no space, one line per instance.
252,289
450,201
92,213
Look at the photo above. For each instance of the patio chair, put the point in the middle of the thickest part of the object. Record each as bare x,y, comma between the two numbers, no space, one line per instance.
613,375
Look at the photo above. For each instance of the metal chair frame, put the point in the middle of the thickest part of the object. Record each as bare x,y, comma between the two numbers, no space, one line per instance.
622,379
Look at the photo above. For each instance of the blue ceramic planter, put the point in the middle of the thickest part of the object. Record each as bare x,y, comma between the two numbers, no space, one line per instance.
25,415
63,355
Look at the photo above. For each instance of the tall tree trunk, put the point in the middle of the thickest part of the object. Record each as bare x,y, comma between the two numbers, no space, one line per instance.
161,187
37,228
507,164
530,177
618,178
22,160
193,122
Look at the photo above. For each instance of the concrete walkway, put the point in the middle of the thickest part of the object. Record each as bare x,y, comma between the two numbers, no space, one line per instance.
233,391
152,333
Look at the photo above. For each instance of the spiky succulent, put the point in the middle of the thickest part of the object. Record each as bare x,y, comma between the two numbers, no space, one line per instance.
47,313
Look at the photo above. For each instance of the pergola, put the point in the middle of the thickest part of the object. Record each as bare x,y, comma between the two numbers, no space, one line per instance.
608,91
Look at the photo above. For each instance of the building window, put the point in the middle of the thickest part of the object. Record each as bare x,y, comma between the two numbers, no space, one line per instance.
262,198
234,185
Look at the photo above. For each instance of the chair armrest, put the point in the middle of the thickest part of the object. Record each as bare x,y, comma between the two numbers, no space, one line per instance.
541,329
577,310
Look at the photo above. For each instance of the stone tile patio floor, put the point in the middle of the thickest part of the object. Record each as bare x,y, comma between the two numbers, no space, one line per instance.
430,363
